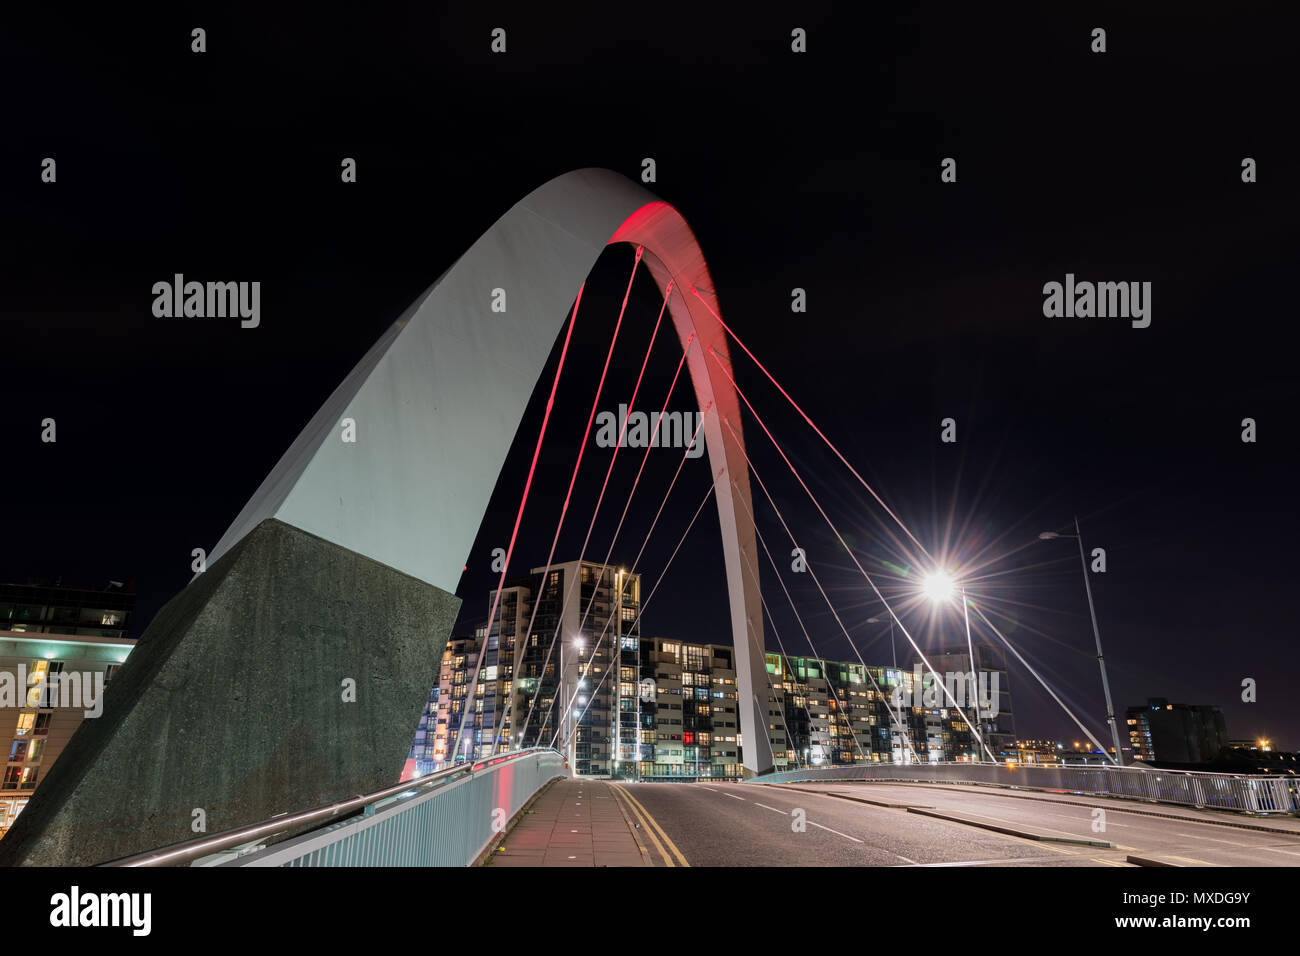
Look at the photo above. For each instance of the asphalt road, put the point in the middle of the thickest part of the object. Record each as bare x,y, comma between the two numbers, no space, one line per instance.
758,825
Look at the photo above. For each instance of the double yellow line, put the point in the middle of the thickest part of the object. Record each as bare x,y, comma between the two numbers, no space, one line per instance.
650,827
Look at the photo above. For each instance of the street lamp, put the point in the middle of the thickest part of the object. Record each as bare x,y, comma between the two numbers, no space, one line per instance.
893,653
1096,633
939,586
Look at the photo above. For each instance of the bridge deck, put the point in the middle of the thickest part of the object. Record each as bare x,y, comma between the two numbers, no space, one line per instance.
573,823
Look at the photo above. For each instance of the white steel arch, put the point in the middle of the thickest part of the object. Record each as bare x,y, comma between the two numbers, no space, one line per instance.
438,399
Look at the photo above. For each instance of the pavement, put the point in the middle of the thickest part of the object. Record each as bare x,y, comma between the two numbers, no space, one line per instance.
598,823
572,823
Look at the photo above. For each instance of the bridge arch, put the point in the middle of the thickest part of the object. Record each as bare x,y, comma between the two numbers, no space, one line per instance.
439,399
346,560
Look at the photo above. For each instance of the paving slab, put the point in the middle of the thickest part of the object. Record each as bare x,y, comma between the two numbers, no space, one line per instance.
573,823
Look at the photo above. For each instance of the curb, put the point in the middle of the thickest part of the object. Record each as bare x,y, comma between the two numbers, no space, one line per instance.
1010,831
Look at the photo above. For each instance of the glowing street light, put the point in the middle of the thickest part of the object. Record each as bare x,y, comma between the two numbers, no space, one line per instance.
938,586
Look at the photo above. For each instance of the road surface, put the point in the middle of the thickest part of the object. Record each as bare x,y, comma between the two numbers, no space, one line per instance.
750,824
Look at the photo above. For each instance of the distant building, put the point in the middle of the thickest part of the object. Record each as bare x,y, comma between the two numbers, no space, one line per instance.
1039,751
59,648
52,608
1255,759
1176,733
1262,744
584,689
690,713
997,725
1084,752
435,737
685,706
664,709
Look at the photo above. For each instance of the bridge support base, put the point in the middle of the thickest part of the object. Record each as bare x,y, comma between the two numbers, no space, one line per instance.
290,674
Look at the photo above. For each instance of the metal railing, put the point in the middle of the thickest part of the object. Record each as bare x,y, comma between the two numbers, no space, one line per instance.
1244,793
447,818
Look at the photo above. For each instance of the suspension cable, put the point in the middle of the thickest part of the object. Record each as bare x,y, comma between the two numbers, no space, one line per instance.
906,737
1046,687
847,549
595,403
640,612
631,403
637,560
532,468
814,427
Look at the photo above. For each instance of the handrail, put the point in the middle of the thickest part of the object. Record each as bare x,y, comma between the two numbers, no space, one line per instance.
190,850
1251,793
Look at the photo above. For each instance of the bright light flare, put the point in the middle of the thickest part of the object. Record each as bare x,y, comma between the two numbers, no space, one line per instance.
939,586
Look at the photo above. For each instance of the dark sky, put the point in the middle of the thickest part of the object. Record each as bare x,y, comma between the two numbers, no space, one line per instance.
819,171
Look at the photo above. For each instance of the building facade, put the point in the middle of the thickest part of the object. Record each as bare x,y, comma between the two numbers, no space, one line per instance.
49,684
574,680
1176,733
52,608
991,693
629,707
839,712
59,649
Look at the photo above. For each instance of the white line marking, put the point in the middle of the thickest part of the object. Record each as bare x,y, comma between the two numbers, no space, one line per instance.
734,797
766,807
1276,850
1192,836
710,789
836,832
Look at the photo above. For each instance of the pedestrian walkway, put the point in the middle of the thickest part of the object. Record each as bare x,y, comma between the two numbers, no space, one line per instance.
575,822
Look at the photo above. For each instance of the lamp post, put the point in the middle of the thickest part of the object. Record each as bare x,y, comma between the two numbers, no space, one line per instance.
1092,610
898,718
974,674
940,588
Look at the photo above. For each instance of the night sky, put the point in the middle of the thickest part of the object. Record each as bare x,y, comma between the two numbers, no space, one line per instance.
818,171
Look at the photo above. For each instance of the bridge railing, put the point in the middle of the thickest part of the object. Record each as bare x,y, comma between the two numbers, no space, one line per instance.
1224,791
447,818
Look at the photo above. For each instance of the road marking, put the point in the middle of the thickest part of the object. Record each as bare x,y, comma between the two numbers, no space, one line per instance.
840,800
905,859
710,789
1192,836
1188,859
1111,805
1017,823
836,832
654,823
1273,849
1097,859
1004,862
734,797
644,828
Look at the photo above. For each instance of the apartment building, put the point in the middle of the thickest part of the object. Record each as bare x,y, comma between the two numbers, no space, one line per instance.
1176,733
48,685
627,707
59,649
573,680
